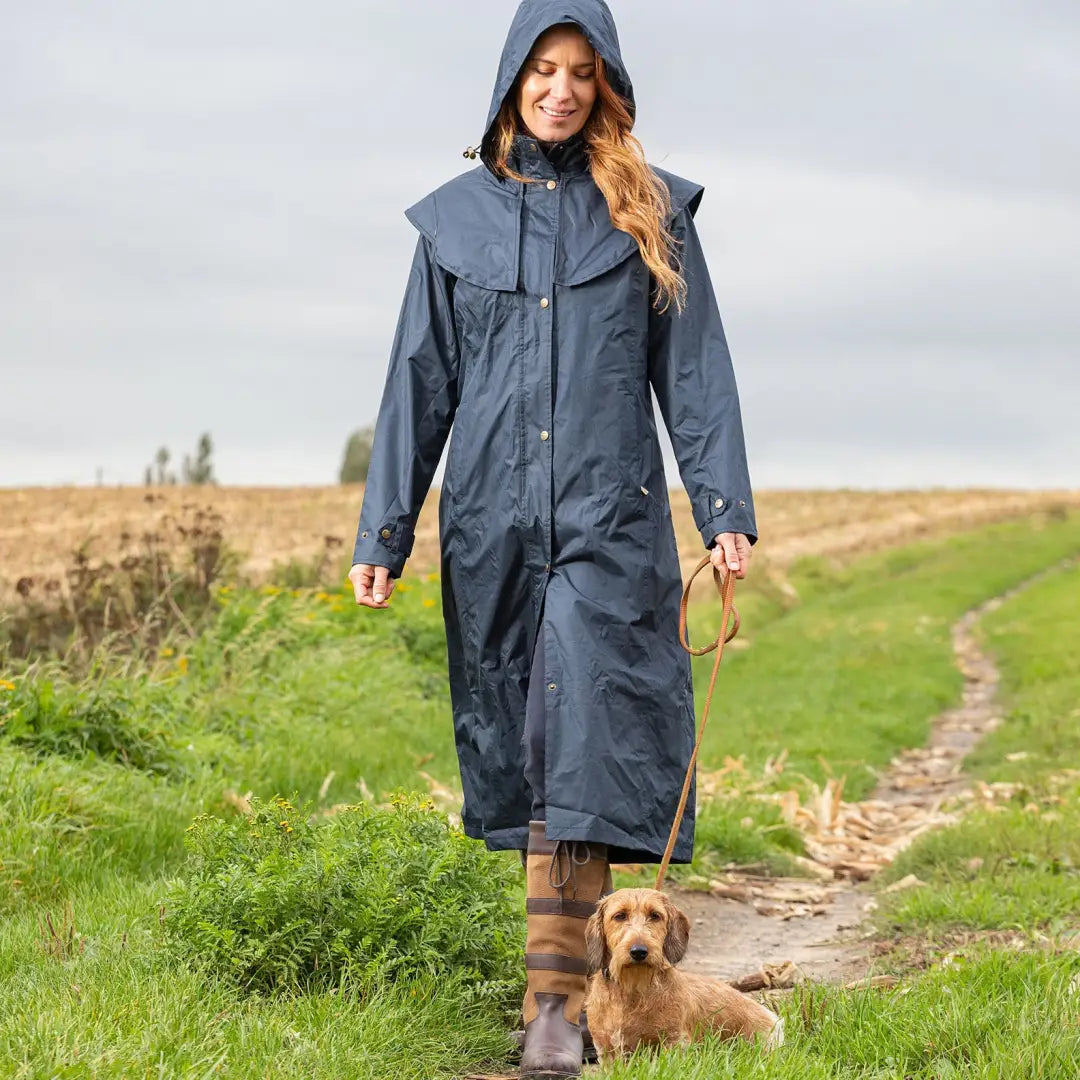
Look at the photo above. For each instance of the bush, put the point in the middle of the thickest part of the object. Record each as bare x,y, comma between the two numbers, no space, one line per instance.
112,720
277,900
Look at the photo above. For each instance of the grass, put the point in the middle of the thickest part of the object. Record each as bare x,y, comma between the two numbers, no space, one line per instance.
867,652
121,1009
1016,864
267,700
296,693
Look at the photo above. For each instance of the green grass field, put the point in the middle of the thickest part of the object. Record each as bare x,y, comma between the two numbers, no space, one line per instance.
298,693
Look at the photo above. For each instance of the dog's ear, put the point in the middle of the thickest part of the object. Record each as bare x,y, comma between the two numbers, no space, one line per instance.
597,953
678,933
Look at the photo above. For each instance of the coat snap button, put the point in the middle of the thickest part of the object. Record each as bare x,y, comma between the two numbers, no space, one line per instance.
544,301
551,185
385,534
544,436
719,503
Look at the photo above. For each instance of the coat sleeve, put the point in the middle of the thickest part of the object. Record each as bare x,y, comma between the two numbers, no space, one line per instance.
691,373
417,409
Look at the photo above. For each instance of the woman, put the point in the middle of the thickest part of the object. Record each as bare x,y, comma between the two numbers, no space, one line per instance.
551,287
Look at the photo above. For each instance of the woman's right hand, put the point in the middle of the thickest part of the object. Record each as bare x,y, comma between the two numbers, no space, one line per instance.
371,584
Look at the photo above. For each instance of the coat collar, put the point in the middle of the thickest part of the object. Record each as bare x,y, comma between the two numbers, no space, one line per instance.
567,158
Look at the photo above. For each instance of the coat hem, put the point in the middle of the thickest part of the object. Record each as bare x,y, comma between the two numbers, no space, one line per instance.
623,847
569,825
515,839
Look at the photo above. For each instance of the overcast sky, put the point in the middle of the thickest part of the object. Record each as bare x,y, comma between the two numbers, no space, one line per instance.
201,223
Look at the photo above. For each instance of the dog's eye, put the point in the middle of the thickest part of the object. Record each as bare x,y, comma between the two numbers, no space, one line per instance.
619,916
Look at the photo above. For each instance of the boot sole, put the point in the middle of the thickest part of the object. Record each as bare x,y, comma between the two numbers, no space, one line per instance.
588,1057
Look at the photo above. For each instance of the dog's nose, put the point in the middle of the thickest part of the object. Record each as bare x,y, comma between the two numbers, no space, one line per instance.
638,953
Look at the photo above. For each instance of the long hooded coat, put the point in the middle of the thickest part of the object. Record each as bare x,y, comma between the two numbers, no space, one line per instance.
528,336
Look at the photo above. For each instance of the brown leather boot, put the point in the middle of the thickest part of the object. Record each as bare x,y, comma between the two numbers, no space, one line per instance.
588,1055
565,878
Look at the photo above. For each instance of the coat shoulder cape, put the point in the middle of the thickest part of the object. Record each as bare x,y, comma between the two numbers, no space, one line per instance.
473,223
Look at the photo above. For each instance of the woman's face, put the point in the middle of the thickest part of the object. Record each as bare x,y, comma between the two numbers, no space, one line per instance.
557,86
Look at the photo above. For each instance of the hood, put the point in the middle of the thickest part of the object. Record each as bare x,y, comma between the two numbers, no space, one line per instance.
593,18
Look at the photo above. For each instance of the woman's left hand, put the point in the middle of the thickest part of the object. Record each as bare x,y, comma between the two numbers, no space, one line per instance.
732,552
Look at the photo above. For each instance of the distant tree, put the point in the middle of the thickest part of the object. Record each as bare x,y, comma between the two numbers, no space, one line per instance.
354,467
201,470
197,470
161,459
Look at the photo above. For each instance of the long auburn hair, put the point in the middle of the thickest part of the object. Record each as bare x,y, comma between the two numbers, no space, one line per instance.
638,200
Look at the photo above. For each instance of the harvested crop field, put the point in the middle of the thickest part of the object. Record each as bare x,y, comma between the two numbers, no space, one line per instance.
41,527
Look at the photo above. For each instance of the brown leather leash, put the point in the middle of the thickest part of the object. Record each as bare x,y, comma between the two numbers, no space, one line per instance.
725,586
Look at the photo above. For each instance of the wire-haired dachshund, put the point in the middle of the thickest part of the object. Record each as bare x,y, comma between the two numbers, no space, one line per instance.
636,996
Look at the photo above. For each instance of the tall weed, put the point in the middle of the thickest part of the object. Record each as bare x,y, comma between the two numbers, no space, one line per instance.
165,579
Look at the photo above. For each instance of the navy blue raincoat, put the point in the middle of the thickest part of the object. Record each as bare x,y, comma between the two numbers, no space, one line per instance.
528,336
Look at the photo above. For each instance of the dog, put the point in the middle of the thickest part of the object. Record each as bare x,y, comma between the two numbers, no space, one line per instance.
637,997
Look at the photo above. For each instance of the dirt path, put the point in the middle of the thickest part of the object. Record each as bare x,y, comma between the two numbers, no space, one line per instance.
748,924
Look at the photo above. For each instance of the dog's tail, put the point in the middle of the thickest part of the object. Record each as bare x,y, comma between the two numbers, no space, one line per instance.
776,1036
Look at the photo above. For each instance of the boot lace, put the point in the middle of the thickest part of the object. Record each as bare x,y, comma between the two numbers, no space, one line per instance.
565,860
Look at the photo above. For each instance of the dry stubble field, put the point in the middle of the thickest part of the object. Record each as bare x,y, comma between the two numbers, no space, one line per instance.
41,527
